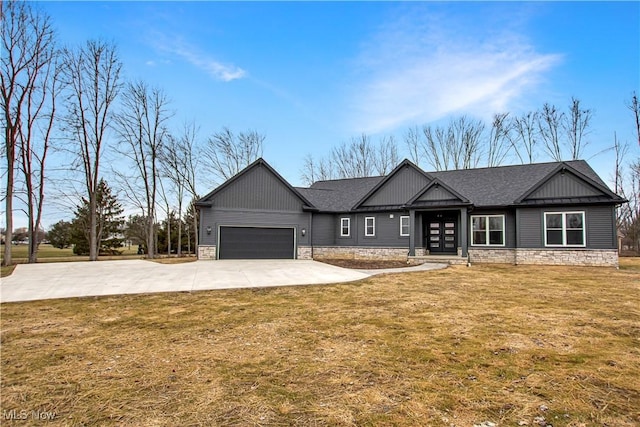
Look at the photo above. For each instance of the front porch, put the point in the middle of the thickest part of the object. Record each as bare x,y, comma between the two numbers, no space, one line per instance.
438,234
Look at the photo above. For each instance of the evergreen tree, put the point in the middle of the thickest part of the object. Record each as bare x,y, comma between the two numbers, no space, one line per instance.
109,224
60,234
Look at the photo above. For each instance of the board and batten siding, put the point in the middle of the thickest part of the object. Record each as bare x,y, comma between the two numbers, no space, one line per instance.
437,193
564,185
258,189
599,221
245,218
402,186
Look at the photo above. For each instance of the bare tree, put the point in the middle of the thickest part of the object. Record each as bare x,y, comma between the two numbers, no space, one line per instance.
634,106
437,147
92,75
458,146
386,157
226,154
576,126
178,161
35,139
524,138
141,126
549,125
413,143
354,159
317,170
28,87
498,145
467,137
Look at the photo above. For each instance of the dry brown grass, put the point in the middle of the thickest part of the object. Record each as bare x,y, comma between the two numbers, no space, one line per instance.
450,347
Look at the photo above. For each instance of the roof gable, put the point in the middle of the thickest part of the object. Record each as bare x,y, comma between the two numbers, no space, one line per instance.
258,186
397,188
436,193
566,183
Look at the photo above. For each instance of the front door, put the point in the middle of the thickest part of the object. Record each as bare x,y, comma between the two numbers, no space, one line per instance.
441,234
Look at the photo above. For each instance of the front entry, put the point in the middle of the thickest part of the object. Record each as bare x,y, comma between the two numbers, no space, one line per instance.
441,234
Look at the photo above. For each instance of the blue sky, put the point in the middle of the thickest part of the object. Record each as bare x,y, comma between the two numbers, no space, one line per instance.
312,75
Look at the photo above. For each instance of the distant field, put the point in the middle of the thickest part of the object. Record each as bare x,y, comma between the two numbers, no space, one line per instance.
513,345
20,252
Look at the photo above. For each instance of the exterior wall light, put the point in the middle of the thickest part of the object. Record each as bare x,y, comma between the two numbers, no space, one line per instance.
208,229
303,231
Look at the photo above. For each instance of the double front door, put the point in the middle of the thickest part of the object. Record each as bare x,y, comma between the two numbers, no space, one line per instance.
441,234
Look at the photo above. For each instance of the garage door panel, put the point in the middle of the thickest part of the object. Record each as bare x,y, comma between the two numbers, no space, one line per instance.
256,243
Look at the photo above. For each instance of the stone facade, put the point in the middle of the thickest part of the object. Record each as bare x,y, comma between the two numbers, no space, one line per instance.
305,252
360,252
206,252
497,256
586,257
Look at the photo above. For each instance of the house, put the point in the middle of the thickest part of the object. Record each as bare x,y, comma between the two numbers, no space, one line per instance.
545,213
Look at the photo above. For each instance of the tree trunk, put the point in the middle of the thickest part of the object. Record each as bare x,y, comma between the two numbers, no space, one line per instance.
93,226
168,235
8,237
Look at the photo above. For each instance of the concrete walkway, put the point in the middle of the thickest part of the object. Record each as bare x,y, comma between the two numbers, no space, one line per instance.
80,279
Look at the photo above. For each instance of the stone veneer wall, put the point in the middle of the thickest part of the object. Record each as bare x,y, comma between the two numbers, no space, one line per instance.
586,257
359,252
305,252
207,252
498,256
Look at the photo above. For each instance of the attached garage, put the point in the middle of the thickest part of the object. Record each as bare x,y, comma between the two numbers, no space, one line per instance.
256,243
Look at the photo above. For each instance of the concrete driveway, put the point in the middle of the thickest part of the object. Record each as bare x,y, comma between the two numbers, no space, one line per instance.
79,279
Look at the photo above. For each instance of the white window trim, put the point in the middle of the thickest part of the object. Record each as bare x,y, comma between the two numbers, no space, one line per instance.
564,229
373,223
487,231
342,220
407,217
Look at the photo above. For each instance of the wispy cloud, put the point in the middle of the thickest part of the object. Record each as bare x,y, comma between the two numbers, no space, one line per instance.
202,60
423,67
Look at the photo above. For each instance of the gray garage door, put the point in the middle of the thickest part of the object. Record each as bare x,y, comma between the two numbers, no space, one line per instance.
256,243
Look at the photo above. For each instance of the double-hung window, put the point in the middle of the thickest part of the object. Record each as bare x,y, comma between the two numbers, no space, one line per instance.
564,229
370,226
487,230
404,225
345,227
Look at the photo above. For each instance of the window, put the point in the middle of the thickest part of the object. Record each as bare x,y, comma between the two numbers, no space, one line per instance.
345,227
487,230
369,226
564,229
404,225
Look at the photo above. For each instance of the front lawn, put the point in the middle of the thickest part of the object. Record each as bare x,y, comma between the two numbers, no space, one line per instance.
513,345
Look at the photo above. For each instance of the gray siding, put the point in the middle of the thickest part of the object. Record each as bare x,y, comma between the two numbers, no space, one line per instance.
509,224
437,193
399,189
600,224
220,217
324,229
564,185
601,233
258,189
387,230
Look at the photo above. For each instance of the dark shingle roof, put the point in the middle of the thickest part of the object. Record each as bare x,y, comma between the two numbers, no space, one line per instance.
338,195
497,186
502,186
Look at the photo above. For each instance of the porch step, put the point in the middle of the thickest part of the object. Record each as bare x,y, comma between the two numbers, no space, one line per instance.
444,259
